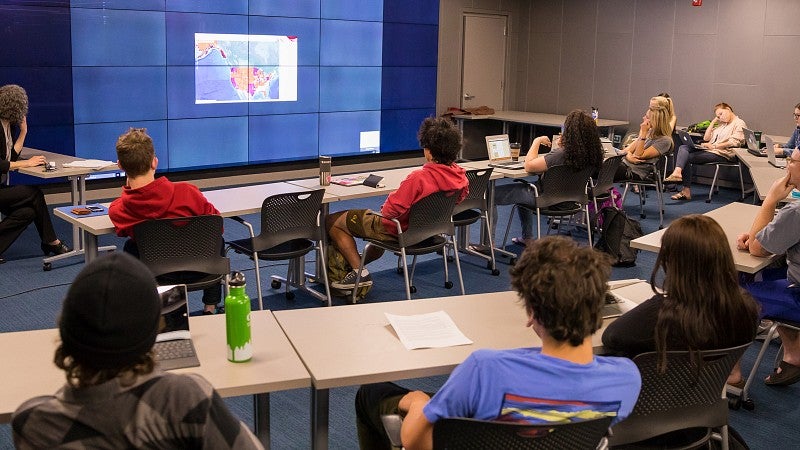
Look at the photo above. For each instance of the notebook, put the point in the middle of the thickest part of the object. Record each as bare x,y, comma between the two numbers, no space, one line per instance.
499,150
174,348
754,147
686,139
775,162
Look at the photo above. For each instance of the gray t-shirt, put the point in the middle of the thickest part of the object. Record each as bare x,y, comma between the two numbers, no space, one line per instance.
662,144
556,157
781,236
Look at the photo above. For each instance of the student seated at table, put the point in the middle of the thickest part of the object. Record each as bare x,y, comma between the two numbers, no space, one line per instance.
146,197
115,396
579,147
441,142
562,287
21,204
794,140
725,133
654,141
701,307
778,294
665,101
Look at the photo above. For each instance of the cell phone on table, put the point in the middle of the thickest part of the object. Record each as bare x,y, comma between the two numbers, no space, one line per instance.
95,208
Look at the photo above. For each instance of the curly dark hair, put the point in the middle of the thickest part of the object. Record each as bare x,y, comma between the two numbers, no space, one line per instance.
563,286
703,306
13,103
581,141
82,374
442,138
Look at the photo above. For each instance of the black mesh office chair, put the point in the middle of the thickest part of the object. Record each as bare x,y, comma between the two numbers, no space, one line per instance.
472,434
679,408
471,210
600,189
189,248
655,181
290,229
430,229
562,191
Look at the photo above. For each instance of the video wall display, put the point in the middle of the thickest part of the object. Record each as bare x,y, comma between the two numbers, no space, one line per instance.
223,83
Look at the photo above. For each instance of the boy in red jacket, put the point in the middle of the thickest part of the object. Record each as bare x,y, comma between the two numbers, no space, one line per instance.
441,142
145,198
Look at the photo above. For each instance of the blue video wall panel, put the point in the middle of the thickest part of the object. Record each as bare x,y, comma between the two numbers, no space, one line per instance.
223,83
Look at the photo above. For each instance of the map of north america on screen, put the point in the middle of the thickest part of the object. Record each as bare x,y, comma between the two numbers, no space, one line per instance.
235,68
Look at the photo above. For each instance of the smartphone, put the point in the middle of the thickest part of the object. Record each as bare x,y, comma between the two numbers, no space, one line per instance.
95,208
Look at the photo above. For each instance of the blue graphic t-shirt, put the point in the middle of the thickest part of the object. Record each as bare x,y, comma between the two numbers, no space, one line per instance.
524,385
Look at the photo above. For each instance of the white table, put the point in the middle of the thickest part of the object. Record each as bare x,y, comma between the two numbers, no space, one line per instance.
29,370
345,346
77,177
735,219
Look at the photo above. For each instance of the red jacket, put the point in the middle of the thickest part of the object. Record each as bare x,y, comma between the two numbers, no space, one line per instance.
161,199
420,183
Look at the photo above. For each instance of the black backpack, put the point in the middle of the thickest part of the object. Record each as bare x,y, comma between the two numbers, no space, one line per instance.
618,232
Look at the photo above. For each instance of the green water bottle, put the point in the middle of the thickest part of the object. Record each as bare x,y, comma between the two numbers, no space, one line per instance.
237,320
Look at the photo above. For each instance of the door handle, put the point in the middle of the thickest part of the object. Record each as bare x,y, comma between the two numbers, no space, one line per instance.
467,96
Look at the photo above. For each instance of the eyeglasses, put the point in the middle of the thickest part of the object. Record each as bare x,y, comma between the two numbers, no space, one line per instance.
796,115
792,161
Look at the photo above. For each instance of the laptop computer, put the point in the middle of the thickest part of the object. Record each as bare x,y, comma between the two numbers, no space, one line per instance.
770,149
754,147
611,308
686,139
499,149
174,348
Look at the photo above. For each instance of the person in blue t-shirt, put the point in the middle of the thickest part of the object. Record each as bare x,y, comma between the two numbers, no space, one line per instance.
563,288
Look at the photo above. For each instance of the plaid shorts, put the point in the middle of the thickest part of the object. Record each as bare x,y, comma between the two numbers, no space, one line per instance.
364,223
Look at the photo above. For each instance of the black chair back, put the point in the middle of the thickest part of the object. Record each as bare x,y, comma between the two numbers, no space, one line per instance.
186,244
688,394
430,216
478,184
468,434
563,184
605,178
289,216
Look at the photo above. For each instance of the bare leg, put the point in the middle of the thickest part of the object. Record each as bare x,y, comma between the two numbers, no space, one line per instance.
791,345
342,239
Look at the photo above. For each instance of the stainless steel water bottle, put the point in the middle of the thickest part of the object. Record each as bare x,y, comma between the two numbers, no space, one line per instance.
324,170
237,320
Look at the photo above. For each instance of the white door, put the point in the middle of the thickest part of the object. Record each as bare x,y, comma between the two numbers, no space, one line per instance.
484,71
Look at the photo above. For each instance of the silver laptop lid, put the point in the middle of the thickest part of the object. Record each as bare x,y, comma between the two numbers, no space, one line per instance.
498,147
750,138
770,149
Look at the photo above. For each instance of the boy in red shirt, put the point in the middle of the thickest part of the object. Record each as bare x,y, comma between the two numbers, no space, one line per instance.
441,142
145,198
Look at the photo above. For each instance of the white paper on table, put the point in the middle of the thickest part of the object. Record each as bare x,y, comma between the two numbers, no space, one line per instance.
431,330
89,164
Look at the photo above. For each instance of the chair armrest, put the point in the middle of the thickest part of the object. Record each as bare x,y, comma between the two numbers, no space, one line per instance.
245,223
396,222
392,424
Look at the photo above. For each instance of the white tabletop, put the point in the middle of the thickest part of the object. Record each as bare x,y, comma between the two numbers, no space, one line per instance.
498,172
355,344
59,159
534,118
761,171
735,218
391,181
29,370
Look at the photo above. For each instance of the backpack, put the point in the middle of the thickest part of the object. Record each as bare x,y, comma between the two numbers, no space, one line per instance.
337,268
615,200
616,237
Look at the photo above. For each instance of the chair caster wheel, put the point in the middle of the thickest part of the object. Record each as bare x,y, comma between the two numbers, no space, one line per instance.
47,267
496,272
708,200
399,270
734,403
275,284
512,261
450,259
748,404
413,289
643,216
290,296
448,285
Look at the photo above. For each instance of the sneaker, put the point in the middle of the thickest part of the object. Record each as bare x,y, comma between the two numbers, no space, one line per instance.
349,281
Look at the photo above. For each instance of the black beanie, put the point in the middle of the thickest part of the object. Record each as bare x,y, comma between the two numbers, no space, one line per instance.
111,313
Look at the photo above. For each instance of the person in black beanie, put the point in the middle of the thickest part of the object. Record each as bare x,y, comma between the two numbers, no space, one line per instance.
115,395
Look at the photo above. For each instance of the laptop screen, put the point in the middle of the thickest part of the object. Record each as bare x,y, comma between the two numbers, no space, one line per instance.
498,147
174,322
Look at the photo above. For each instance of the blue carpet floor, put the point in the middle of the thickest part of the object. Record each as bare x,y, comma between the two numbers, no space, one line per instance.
30,299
